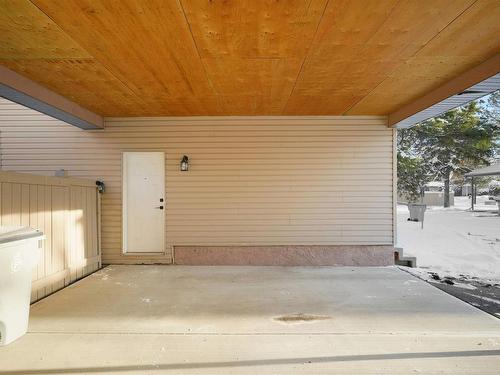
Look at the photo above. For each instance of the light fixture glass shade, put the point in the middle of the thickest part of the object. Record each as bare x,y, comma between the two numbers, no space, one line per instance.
184,164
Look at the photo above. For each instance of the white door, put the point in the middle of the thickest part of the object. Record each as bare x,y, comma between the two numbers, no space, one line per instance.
143,202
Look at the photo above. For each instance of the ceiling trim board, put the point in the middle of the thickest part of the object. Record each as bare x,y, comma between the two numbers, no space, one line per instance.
452,88
22,90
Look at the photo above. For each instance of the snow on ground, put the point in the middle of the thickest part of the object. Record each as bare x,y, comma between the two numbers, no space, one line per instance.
454,242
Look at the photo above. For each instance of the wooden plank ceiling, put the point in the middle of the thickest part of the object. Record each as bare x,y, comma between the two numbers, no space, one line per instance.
246,57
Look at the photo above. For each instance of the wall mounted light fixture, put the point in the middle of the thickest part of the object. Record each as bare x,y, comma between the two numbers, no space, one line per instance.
184,164
100,186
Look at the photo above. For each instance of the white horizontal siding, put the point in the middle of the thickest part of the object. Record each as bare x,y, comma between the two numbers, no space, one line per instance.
252,181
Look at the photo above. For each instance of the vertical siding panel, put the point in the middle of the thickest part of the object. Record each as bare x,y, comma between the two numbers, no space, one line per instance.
34,224
86,217
7,204
78,232
95,223
394,186
40,213
99,226
58,232
43,203
25,205
48,230
16,205
80,237
72,234
91,222
68,240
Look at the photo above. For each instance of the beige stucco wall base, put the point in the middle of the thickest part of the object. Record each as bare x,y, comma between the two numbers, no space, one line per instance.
297,255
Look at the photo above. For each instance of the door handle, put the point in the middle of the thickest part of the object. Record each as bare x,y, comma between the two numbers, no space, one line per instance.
159,207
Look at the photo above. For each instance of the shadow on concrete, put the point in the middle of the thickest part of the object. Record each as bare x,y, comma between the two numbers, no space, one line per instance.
259,362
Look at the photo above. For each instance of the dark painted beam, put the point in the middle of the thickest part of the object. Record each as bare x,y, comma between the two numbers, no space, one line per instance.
23,91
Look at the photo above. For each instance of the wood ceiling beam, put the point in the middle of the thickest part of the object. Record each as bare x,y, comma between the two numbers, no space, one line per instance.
22,90
455,86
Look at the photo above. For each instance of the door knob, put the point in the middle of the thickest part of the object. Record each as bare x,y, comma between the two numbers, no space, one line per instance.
160,207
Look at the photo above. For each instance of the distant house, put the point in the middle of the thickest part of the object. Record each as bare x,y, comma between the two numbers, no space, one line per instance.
434,186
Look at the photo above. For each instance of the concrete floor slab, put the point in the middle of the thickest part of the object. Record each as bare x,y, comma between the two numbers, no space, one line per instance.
181,299
250,354
216,320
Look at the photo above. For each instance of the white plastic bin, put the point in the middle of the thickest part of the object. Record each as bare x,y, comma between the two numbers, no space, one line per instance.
18,256
417,211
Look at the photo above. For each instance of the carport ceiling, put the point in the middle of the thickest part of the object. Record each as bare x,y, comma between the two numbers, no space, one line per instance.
247,57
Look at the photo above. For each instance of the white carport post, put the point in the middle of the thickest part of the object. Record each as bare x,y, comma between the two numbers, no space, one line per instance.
491,170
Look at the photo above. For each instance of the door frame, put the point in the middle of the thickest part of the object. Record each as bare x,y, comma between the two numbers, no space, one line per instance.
124,204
